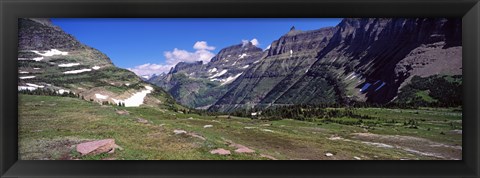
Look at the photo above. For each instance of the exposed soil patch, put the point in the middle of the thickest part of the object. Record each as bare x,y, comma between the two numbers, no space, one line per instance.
55,149
220,151
414,145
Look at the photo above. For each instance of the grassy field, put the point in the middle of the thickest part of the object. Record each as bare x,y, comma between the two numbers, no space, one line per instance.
50,127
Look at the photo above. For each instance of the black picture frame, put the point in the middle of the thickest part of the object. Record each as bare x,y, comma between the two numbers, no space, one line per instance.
11,10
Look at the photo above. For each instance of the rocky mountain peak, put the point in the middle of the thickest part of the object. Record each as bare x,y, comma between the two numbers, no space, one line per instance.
41,34
297,40
235,51
184,65
44,21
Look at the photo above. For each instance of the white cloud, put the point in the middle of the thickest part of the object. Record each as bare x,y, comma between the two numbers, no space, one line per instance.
254,42
244,42
199,45
149,69
179,55
202,53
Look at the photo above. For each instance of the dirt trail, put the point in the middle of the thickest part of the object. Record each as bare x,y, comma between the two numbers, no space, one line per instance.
414,145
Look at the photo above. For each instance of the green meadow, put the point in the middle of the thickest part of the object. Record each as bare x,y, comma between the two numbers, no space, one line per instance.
50,127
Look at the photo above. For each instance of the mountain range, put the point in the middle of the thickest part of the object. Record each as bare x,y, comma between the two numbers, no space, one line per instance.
368,60
360,60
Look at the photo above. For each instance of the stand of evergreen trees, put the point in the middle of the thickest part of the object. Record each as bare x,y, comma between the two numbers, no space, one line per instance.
299,112
50,92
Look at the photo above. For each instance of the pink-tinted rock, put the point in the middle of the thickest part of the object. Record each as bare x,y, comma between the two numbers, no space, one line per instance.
197,136
268,156
142,120
96,147
122,112
244,150
241,148
220,151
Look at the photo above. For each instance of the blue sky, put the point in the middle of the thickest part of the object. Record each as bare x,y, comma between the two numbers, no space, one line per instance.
153,45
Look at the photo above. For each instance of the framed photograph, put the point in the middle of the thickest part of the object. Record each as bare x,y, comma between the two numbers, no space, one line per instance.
239,88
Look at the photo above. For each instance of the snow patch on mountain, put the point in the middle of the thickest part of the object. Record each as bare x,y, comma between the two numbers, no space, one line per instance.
77,71
27,77
242,56
62,91
219,74
20,88
100,96
68,65
37,59
212,70
34,85
246,66
230,79
136,99
51,52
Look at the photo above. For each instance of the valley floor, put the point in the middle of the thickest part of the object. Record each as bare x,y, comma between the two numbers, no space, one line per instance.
50,127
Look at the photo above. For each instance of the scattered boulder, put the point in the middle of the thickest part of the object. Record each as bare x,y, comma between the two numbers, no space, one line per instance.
197,136
456,132
190,118
328,154
241,148
244,150
249,127
143,121
177,132
96,147
267,130
268,156
335,138
357,158
207,126
122,112
220,151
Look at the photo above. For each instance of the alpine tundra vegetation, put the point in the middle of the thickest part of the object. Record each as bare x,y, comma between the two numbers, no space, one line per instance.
363,89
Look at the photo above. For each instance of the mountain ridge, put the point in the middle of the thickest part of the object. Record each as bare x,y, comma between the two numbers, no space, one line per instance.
52,60
360,59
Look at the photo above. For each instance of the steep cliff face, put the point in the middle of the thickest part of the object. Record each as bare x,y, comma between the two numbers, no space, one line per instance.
287,60
378,56
366,59
361,59
52,61
41,34
199,85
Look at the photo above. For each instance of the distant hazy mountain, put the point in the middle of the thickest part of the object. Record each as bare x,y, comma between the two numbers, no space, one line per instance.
367,59
199,85
50,59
